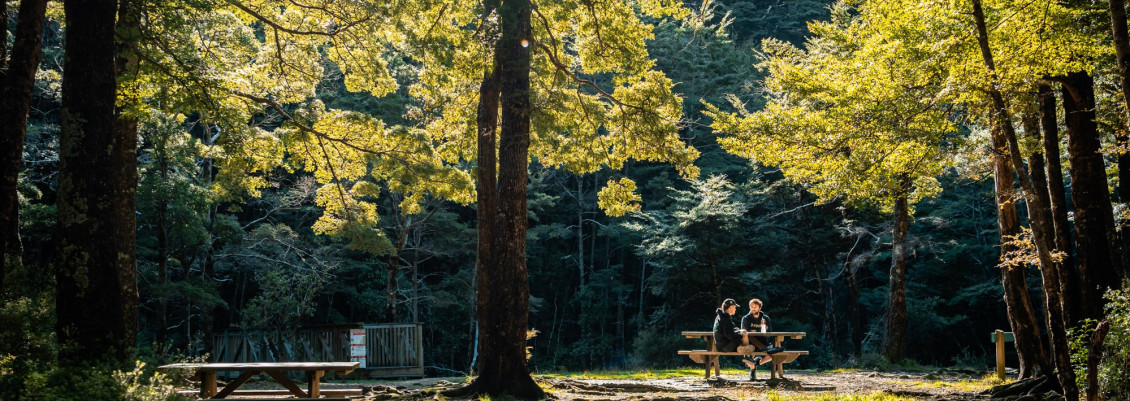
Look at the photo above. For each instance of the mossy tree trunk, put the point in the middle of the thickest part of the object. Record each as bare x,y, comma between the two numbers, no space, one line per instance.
96,294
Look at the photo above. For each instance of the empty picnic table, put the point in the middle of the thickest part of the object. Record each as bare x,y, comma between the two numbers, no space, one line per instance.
710,355
206,372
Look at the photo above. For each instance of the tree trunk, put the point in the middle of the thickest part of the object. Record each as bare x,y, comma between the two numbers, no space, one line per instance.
1068,277
1094,357
857,327
96,293
1094,219
15,101
894,340
1021,315
390,288
1121,41
1039,215
504,288
3,36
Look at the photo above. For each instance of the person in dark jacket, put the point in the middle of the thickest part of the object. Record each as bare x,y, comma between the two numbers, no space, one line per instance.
727,338
753,321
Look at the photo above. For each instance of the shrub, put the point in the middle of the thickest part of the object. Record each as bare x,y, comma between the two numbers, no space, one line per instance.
1114,371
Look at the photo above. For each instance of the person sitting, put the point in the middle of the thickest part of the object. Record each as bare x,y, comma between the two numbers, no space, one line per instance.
727,337
757,321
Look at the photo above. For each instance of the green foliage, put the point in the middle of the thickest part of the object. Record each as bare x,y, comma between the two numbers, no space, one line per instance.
289,273
27,344
1114,370
139,385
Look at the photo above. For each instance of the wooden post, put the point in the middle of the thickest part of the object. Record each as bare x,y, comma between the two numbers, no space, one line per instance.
1000,353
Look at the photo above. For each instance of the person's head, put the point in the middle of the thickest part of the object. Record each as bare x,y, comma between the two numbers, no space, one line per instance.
730,306
755,306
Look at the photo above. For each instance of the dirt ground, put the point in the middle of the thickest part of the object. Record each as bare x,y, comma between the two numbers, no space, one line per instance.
941,385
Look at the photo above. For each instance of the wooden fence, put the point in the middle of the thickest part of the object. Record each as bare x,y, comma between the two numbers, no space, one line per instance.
391,349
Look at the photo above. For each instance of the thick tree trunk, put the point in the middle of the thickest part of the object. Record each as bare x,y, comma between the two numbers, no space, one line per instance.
504,369
1039,216
895,323
504,288
15,101
1094,219
96,293
1068,277
1021,315
1121,40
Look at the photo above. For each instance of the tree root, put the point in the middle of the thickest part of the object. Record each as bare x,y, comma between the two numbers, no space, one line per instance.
1034,388
524,389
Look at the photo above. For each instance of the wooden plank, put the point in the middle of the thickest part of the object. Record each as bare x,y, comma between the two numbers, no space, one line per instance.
344,367
328,392
723,353
790,334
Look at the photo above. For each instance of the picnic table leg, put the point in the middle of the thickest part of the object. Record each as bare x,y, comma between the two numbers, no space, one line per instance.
234,384
281,378
778,366
713,360
315,378
207,384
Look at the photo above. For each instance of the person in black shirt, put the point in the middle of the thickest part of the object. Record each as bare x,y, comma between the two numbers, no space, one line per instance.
727,338
753,321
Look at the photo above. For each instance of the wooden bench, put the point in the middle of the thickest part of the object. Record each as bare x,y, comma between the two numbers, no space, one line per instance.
711,355
206,373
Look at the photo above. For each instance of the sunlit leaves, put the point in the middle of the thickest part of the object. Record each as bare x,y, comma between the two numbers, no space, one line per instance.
847,116
618,198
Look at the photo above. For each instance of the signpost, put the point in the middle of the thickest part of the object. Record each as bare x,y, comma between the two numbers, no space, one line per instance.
1000,337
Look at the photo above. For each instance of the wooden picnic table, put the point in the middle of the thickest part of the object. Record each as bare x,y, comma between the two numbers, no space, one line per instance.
206,372
777,338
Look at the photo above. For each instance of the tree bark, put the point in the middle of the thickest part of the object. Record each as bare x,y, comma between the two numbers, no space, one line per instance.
1094,218
1038,213
895,322
1040,217
18,79
1068,277
503,284
1021,315
1094,357
857,327
1121,40
96,292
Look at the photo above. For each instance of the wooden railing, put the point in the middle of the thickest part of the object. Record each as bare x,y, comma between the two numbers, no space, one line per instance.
391,349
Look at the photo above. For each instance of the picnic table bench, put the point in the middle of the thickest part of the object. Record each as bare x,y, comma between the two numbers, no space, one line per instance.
206,373
710,355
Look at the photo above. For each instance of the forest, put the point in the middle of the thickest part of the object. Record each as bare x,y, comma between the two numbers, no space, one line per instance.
565,185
